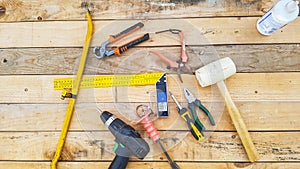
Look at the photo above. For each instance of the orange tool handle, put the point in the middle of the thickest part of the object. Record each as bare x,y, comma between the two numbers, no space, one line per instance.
119,50
114,38
150,129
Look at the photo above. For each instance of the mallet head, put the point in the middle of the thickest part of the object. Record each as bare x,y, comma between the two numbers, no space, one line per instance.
216,71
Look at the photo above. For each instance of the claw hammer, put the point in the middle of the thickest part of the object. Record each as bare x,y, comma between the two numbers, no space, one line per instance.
216,72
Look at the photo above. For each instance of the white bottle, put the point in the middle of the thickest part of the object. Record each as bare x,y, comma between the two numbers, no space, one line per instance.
282,13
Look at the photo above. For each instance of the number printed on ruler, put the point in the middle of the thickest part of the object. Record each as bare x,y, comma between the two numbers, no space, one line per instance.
110,80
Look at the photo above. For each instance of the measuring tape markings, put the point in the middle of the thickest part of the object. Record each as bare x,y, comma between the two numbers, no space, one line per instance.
110,81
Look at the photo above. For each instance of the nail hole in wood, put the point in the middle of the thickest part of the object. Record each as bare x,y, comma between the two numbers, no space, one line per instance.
84,5
4,60
39,18
2,10
26,89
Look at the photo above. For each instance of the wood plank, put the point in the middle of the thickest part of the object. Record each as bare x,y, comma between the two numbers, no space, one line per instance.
34,53
258,116
231,30
25,10
220,146
248,58
250,87
145,164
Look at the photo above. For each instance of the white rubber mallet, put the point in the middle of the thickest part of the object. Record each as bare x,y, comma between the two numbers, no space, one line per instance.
215,73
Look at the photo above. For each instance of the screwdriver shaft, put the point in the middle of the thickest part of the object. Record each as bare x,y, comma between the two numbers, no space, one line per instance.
175,100
172,163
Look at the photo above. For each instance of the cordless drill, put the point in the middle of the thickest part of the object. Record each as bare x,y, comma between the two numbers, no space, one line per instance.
128,141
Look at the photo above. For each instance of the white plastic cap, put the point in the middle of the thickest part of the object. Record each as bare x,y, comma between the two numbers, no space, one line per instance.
292,6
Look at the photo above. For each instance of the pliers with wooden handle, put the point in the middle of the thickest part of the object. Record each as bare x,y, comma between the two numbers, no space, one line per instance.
192,101
103,50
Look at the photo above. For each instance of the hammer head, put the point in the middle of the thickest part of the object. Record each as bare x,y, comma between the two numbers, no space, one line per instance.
216,71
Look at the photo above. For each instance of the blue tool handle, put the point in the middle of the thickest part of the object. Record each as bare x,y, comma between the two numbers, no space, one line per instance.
210,117
194,113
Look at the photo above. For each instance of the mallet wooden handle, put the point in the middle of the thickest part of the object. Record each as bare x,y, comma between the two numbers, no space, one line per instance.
238,123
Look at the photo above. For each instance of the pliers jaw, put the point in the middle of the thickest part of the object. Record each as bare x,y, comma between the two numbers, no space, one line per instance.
189,96
193,102
100,52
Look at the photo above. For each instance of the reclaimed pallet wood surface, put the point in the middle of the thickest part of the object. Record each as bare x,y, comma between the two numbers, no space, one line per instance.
42,40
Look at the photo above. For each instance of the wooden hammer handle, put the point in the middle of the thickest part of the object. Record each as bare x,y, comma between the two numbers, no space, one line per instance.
239,123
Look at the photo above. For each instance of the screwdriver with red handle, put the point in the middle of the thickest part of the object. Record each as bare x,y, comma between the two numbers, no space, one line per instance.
144,111
194,128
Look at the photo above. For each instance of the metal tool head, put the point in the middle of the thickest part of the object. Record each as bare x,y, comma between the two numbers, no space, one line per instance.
215,72
188,95
174,31
100,51
143,112
175,100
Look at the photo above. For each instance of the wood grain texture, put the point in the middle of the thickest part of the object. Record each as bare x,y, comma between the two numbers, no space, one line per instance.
220,146
25,10
150,165
258,116
227,30
42,40
247,58
242,87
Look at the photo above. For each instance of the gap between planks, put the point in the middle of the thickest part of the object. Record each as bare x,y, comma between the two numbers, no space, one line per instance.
258,116
147,164
220,146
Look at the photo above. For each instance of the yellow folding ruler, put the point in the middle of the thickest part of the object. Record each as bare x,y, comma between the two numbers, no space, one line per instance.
102,81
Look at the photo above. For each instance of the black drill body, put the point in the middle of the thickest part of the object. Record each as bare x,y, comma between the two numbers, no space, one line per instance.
128,141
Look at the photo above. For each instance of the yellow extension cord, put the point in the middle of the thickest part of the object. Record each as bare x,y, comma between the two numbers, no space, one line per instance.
75,91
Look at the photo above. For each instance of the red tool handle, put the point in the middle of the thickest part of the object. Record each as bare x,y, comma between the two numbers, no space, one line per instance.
171,63
113,38
123,48
184,57
150,128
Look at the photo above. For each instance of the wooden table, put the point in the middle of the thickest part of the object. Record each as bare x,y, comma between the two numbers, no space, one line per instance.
42,40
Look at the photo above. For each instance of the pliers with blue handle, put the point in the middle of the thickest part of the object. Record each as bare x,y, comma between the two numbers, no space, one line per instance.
192,101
